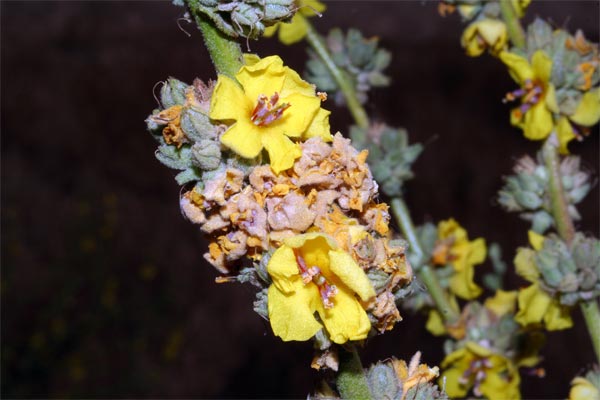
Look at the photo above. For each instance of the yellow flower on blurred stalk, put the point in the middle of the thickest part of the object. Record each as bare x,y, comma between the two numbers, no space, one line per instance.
294,31
533,116
270,105
484,34
535,304
587,114
453,247
475,367
311,274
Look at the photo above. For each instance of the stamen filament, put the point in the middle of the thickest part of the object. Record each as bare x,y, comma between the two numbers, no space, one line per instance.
267,110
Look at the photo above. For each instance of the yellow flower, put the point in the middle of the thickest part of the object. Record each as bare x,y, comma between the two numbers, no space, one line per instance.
488,373
502,303
484,34
534,115
587,114
535,304
294,31
453,247
270,105
583,389
311,274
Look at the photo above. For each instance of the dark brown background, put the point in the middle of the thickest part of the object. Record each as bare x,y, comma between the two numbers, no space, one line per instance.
104,291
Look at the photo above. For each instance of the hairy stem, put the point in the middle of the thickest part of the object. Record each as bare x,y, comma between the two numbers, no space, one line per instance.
225,52
351,379
513,25
424,271
591,314
560,211
319,46
566,230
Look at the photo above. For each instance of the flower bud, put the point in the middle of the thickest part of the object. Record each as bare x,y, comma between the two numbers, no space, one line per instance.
383,382
206,154
172,93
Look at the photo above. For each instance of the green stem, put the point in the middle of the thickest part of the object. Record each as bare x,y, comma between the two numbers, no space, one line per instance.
225,53
558,202
591,314
351,379
513,25
319,46
425,272
566,230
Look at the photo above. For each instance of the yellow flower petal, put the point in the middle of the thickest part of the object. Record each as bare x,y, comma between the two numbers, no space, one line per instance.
295,31
282,151
244,138
588,110
251,59
271,30
583,390
347,320
435,323
456,356
453,386
228,92
299,240
484,34
518,67
462,285
557,317
533,305
467,11
294,84
536,240
282,267
299,116
501,382
262,78
308,7
541,65
551,99
478,349
502,303
450,227
565,133
470,42
291,315
350,273
525,264
538,122
477,251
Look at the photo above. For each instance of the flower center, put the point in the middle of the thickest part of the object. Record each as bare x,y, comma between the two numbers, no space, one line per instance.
530,94
267,110
476,372
442,252
313,274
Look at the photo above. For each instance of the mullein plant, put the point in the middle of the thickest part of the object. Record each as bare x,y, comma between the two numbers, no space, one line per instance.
286,205
295,209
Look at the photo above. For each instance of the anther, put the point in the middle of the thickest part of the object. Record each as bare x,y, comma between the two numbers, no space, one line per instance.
267,110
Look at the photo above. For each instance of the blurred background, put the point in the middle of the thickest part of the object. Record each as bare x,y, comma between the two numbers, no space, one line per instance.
104,289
